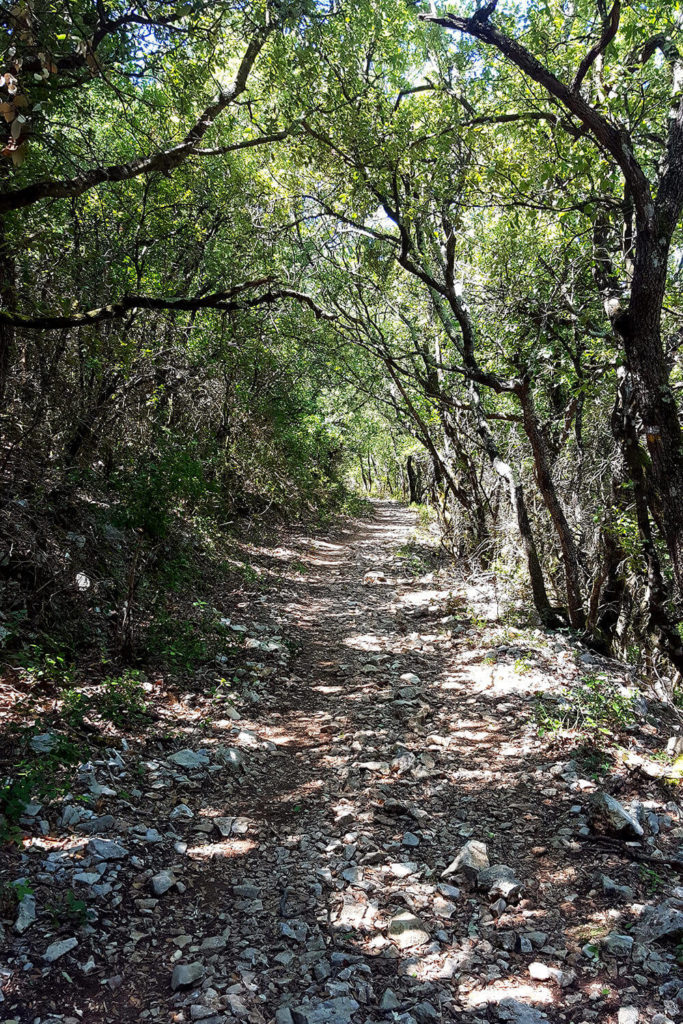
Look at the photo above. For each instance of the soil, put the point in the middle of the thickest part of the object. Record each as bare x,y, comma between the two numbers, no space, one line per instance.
386,711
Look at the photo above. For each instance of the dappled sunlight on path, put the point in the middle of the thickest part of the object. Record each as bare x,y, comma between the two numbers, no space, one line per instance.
392,733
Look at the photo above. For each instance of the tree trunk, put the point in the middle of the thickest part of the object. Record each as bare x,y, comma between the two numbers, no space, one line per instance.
644,389
460,456
657,597
570,555
663,480
362,473
8,302
516,492
412,481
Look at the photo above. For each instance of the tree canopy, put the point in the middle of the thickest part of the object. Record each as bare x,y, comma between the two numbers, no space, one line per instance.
255,253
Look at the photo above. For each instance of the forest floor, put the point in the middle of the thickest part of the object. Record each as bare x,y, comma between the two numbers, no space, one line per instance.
282,850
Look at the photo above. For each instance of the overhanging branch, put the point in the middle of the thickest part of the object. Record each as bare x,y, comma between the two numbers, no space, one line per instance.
609,30
164,161
611,139
225,301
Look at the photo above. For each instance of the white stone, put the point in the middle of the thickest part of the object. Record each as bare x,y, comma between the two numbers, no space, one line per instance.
59,948
407,930
26,915
190,758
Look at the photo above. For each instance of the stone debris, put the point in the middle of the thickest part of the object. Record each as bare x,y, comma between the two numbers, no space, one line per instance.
628,1015
330,1011
500,881
472,859
287,863
617,945
375,576
662,922
407,930
185,975
181,811
26,914
543,972
517,1012
613,889
610,813
58,949
190,758
43,743
162,882
106,849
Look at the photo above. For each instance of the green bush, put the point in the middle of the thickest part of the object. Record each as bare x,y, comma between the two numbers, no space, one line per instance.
152,490
181,643
44,777
595,705
119,700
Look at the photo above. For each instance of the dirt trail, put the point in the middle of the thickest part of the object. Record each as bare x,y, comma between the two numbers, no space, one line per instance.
289,866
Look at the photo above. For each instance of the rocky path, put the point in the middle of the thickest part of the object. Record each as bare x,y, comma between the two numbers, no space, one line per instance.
371,831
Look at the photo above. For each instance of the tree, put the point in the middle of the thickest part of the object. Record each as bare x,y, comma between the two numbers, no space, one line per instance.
652,207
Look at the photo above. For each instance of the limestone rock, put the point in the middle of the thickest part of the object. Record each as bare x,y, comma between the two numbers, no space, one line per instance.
223,825
500,881
609,812
59,948
542,972
231,757
426,1012
185,975
106,849
612,888
407,930
389,1000
190,758
328,1011
26,915
517,1012
674,746
472,859
104,823
43,743
662,922
181,812
618,945
628,1015
162,882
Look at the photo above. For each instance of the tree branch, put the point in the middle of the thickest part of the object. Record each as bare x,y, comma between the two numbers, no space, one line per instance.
610,27
427,87
164,161
226,301
260,140
662,43
614,141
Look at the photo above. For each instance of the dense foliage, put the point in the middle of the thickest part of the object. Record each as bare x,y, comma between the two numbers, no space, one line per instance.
252,250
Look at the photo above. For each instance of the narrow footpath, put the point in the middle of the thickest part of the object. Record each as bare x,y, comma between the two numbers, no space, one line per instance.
369,829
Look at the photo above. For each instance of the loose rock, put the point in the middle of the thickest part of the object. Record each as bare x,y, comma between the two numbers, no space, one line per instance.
615,818
500,881
407,930
106,849
57,949
472,859
662,922
26,914
190,758
185,975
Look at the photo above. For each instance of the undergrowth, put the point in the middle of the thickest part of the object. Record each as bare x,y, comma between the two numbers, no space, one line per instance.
48,745
596,705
